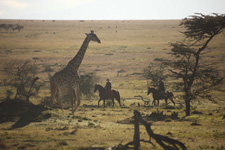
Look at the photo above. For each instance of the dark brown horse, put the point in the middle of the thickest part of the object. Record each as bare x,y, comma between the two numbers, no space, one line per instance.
103,96
157,96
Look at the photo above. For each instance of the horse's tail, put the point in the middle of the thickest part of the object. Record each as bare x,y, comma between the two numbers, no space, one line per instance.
172,95
175,98
117,96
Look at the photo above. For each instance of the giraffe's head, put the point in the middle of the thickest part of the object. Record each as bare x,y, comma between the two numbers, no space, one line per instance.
93,37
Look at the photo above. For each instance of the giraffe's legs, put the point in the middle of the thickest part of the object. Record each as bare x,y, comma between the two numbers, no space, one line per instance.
53,93
77,93
61,94
72,95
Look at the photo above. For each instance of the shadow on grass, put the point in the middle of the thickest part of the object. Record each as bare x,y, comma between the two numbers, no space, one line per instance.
21,112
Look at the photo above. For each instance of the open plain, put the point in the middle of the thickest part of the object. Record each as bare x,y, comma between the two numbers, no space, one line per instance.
127,48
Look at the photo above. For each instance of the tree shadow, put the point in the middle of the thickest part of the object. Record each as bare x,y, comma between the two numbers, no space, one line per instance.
22,112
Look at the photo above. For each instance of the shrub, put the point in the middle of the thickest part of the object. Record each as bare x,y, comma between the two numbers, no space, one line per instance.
21,76
87,84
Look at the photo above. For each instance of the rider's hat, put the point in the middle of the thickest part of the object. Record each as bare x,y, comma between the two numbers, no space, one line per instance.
107,80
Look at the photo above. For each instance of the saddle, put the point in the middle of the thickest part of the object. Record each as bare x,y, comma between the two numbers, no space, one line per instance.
163,94
109,93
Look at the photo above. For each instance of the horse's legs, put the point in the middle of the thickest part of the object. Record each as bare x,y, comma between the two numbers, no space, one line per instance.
104,102
117,96
172,100
112,101
119,102
153,102
166,100
99,102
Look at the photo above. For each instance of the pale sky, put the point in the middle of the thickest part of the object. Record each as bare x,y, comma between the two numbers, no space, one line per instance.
107,9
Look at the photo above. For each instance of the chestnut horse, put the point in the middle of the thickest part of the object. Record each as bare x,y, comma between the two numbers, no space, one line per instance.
103,96
157,96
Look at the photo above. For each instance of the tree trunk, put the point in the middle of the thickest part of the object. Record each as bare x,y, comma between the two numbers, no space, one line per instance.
187,99
165,142
188,107
136,134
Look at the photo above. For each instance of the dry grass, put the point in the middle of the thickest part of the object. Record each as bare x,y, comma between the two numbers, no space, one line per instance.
126,45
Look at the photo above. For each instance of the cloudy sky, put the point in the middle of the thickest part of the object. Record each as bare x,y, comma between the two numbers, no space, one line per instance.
107,9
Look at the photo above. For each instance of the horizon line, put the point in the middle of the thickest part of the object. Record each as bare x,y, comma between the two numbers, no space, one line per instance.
94,19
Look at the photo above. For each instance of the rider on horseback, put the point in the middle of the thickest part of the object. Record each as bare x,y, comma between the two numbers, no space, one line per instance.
162,88
108,87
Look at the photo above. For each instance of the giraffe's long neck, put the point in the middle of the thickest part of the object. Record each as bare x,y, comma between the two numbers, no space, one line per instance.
77,59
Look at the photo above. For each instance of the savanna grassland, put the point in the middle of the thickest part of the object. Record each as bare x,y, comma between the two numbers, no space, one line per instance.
126,49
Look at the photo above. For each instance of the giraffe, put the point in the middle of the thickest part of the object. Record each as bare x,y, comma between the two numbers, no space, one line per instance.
67,80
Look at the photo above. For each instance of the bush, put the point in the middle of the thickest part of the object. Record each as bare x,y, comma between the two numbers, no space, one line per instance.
87,84
21,76
153,72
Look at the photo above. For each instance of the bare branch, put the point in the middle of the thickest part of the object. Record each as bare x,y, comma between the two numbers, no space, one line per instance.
160,139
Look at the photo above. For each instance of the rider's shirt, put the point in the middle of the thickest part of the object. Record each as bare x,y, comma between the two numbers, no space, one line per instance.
108,86
161,86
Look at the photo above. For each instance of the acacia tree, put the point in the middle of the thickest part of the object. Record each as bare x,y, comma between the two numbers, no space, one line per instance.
197,77
153,72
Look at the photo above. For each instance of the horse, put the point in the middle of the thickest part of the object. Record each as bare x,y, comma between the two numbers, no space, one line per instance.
157,96
103,96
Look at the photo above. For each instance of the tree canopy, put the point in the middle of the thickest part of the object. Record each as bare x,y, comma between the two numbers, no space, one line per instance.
198,77
200,27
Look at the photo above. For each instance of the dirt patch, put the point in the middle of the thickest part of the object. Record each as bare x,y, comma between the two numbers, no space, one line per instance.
127,121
